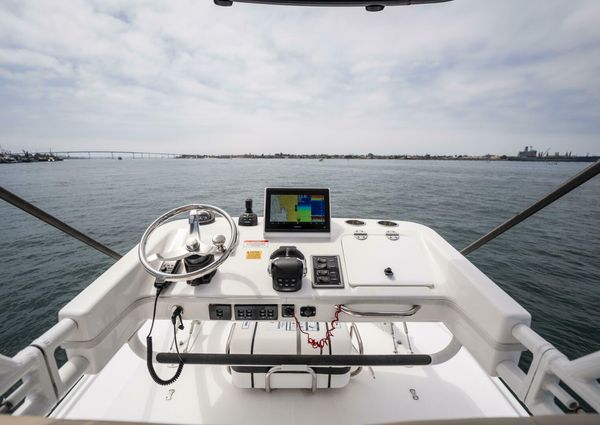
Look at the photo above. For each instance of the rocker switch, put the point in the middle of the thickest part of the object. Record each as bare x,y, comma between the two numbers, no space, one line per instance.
326,272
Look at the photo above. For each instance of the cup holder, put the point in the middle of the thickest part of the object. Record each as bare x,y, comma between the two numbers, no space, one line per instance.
387,223
355,222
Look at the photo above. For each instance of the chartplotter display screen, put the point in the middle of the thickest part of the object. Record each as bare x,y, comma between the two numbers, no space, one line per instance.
297,210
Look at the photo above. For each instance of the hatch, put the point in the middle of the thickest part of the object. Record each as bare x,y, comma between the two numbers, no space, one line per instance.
380,260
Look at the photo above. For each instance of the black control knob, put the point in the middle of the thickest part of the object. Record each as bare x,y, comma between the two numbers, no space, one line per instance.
388,271
196,262
248,218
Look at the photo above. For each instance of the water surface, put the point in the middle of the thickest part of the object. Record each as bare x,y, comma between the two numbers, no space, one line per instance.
550,263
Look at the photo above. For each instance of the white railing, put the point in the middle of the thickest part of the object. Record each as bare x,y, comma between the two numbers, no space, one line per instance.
537,388
35,395
31,381
43,384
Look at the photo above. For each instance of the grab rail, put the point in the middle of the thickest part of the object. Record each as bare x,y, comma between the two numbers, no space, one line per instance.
557,193
32,381
410,312
26,384
287,368
65,377
297,359
537,388
43,384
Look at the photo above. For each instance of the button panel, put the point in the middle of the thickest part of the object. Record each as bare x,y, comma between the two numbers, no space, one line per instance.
326,271
219,311
255,311
288,284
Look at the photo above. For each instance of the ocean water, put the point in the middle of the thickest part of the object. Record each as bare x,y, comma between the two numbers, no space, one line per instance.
550,263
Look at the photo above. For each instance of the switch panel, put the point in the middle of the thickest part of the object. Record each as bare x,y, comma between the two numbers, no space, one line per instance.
326,272
255,311
219,311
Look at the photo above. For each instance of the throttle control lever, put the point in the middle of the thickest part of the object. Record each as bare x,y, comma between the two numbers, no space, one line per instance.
287,267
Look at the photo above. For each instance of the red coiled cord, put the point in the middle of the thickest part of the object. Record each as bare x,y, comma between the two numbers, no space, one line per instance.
325,340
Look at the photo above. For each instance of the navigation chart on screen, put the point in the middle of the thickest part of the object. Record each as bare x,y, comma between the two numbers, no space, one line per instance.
297,208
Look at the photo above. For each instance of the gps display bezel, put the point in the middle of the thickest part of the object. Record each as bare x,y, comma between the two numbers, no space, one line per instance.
324,227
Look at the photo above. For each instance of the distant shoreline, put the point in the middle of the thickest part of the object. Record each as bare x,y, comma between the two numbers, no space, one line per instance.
407,158
51,157
401,157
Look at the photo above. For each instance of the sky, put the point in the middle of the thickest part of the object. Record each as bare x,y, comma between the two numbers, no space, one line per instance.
186,76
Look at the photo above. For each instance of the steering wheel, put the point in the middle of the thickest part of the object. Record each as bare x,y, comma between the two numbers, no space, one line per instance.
199,214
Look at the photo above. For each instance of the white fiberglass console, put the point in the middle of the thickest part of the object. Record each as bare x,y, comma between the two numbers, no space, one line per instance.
265,270
387,270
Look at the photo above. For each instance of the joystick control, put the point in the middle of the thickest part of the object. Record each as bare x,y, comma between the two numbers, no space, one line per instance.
248,218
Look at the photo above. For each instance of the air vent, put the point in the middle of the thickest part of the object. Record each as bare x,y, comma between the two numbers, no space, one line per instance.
387,223
355,222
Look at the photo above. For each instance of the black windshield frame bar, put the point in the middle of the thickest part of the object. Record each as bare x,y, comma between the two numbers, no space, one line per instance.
42,215
566,187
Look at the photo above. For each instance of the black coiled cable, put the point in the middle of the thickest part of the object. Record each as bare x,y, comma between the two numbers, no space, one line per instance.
151,370
149,363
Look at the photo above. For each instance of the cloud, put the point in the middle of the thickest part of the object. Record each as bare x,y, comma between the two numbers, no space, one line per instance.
188,76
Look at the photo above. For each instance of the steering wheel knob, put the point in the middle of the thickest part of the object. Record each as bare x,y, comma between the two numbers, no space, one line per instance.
219,241
192,245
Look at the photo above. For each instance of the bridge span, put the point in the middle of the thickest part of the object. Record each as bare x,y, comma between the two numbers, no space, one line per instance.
103,154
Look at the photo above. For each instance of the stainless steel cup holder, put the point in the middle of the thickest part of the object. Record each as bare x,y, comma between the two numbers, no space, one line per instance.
387,223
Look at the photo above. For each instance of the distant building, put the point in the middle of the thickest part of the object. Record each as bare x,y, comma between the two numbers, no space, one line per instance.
528,153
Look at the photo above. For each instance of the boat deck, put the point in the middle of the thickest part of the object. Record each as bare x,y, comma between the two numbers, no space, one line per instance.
458,388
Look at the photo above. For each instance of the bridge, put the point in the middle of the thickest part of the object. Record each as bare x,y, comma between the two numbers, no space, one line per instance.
119,154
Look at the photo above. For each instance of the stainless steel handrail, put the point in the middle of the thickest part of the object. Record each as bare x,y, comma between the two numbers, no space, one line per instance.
283,369
557,193
228,343
361,348
350,312
21,203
